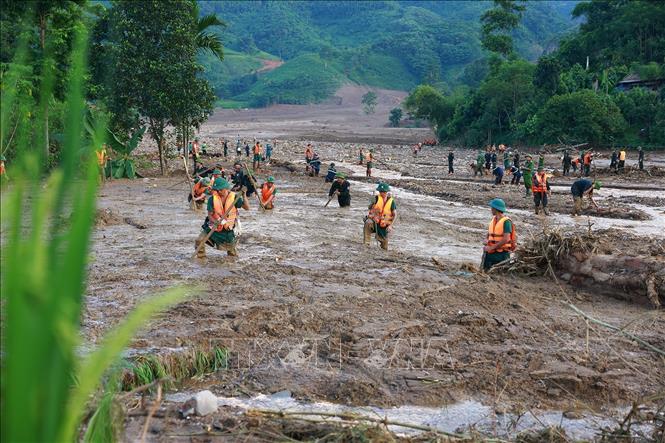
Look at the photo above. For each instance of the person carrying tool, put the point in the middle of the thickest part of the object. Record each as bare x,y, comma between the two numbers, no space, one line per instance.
330,175
501,238
222,217
370,158
340,186
257,156
240,180
581,188
541,189
451,158
640,158
527,175
198,194
622,159
268,192
381,216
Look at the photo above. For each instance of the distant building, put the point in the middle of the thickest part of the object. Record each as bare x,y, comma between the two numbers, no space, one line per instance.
634,81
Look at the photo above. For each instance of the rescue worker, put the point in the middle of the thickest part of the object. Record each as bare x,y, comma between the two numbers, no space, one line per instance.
488,161
581,188
101,161
268,152
332,172
527,174
341,187
256,162
640,158
315,164
381,216
622,159
493,158
222,217
451,158
361,156
613,160
517,175
574,163
240,180
225,144
370,158
309,153
246,149
506,160
588,157
566,162
268,192
501,239
198,193
498,174
516,159
238,147
479,164
541,189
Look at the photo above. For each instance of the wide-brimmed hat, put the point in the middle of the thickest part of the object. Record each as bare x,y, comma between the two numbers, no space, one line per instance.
221,184
498,204
383,187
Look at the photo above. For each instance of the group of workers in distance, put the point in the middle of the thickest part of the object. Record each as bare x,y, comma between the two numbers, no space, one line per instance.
225,197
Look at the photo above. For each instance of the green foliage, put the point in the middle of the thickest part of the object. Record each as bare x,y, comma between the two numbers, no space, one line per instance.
206,40
156,73
497,23
395,117
304,79
581,116
641,109
45,384
369,102
381,44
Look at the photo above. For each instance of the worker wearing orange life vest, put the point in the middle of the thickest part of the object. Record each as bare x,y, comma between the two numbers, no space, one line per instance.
501,238
198,193
622,159
541,189
268,191
381,216
222,217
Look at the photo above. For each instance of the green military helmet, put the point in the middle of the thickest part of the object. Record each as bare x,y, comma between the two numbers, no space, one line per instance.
205,181
216,172
597,184
271,179
498,204
340,175
541,169
220,184
383,187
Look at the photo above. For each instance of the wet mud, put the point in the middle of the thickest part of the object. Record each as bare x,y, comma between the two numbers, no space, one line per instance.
305,307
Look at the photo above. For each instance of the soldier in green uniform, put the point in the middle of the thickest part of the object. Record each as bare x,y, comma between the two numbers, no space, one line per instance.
527,174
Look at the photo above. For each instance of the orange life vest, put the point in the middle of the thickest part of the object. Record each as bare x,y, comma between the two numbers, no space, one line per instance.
220,208
542,183
266,192
381,212
587,158
308,153
101,157
257,149
199,189
495,235
2,168
622,155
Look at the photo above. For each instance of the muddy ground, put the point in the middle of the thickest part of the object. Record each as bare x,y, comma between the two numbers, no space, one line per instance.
306,308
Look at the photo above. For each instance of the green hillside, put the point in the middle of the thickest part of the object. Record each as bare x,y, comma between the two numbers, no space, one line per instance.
387,44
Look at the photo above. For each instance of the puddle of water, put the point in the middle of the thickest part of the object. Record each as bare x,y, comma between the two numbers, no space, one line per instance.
457,417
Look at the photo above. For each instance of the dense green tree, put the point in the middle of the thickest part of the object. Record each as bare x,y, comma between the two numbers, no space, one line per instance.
546,78
369,102
497,24
582,116
395,117
155,68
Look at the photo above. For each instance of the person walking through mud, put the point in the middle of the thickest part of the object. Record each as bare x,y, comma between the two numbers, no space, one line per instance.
370,159
501,238
565,162
527,174
451,158
309,153
341,187
581,188
268,192
517,175
381,216
256,160
479,164
613,160
198,193
640,158
331,174
541,189
588,158
246,149
222,218
498,175
361,156
622,159
225,145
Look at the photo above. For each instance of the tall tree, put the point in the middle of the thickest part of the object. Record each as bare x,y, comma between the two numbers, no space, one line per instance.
498,23
205,39
155,67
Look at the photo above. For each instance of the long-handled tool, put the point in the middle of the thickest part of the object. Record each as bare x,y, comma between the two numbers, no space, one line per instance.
214,227
482,261
192,205
256,186
330,199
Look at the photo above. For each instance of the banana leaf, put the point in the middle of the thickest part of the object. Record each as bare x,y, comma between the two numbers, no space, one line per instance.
120,171
129,168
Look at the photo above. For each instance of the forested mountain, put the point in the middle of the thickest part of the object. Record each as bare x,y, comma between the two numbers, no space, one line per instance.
391,44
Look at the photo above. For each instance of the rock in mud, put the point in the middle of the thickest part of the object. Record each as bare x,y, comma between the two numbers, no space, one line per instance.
203,403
